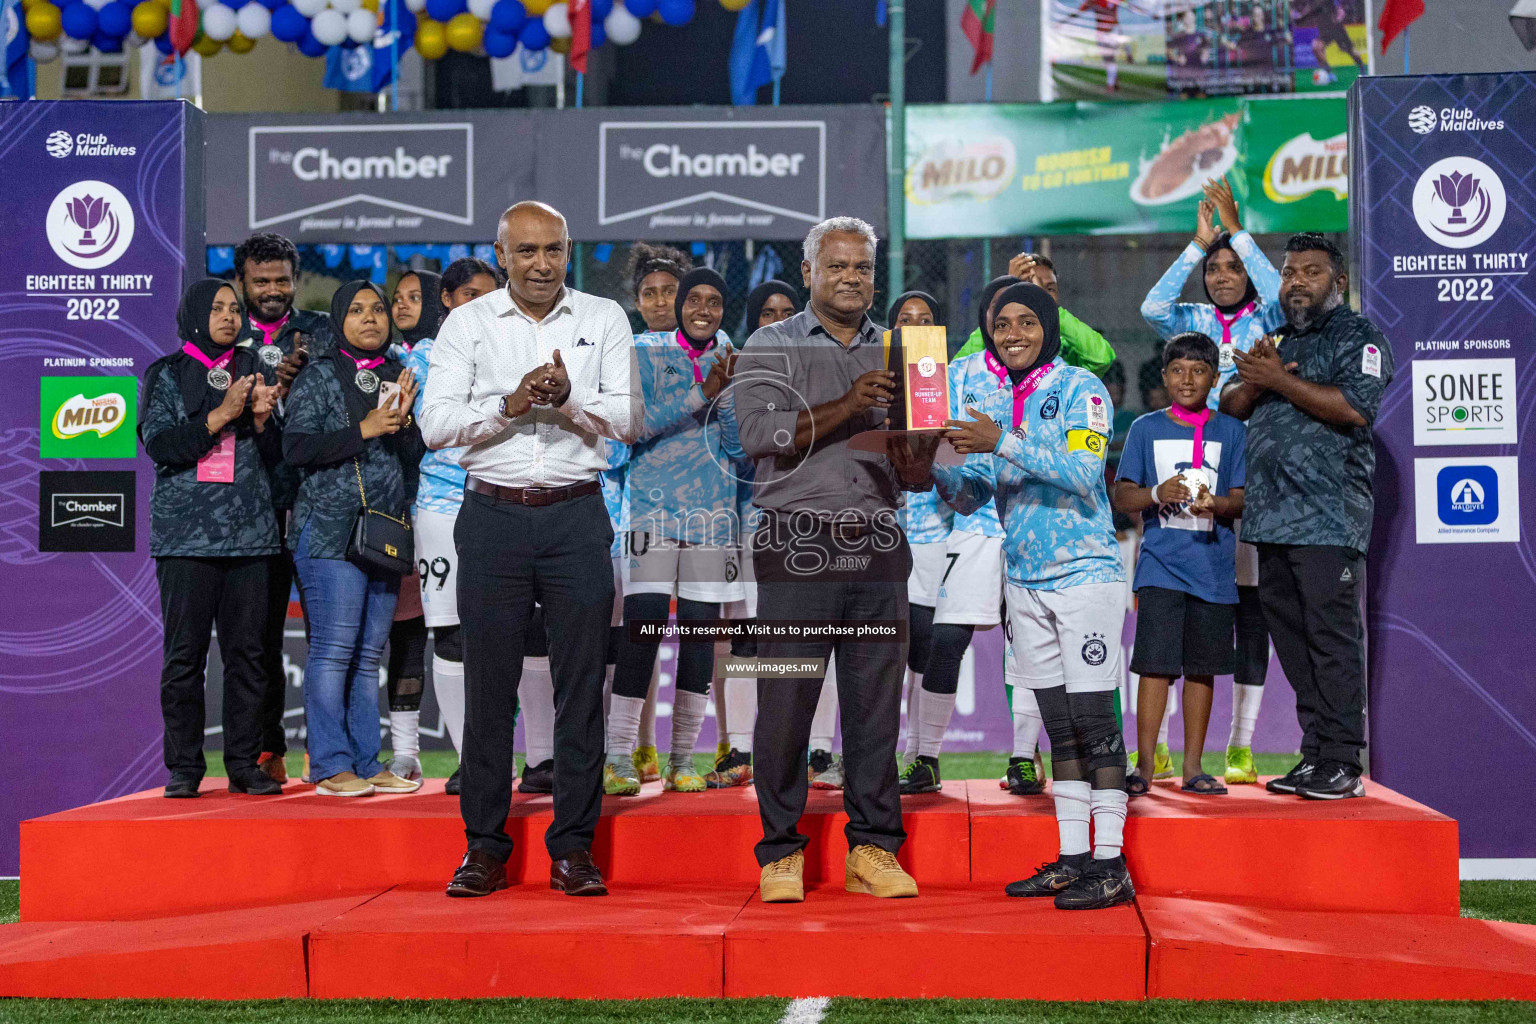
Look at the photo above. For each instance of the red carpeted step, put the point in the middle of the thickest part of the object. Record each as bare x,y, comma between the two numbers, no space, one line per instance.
231,954
1203,950
108,860
1383,852
529,941
969,943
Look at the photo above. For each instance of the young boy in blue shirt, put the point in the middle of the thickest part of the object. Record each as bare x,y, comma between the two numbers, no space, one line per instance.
1182,469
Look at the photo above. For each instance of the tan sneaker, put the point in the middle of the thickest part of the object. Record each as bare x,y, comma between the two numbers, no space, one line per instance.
344,784
875,871
388,782
783,881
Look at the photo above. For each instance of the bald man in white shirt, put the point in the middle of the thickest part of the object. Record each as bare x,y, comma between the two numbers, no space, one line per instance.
529,381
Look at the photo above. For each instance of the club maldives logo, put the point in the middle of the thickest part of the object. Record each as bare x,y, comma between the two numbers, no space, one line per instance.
60,144
1422,119
87,417
90,225
1459,202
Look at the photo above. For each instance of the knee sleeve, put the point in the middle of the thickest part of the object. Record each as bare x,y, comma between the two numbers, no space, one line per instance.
407,649
536,641
744,646
695,658
1056,713
637,658
920,618
946,651
612,655
405,693
447,643
1099,737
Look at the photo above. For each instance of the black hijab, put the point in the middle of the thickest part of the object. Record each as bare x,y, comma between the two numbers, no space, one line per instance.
1224,241
687,283
1039,300
989,293
432,310
192,326
901,300
758,297
347,355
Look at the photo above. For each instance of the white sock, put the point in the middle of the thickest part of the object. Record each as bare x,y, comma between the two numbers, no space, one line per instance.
824,724
607,695
1162,730
1027,722
1108,821
741,712
1072,803
934,713
1112,74
448,685
405,734
536,699
687,718
623,726
722,713
914,703
1245,713
647,735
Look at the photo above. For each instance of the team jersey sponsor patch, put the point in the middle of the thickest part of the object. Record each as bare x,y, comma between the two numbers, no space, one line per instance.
1370,361
1098,414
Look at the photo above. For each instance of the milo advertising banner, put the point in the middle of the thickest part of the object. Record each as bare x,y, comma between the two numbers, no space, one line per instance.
981,170
101,215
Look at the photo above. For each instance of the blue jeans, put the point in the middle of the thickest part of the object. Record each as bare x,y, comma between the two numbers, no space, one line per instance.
350,612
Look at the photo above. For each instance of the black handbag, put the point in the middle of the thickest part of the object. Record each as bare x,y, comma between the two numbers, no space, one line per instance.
380,541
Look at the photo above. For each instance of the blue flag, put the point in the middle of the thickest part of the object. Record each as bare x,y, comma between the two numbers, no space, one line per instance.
18,69
367,68
758,55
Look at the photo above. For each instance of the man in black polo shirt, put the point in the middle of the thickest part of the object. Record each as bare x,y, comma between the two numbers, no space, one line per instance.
1310,394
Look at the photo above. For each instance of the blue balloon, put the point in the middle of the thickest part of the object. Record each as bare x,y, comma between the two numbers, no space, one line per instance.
79,20
508,17
106,43
676,12
498,43
115,20
443,10
309,46
601,9
288,25
599,33
234,4
640,8
273,5
163,43
533,36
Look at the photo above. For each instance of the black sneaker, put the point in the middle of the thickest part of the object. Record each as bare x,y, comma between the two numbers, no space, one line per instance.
819,761
255,782
538,778
921,776
1106,883
452,786
1332,780
1288,782
1051,879
734,769
182,787
1022,777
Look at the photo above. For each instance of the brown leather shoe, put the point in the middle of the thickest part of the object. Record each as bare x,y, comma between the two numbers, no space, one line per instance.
272,764
480,875
576,875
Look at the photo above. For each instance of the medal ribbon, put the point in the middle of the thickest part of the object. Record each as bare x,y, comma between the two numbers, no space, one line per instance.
694,354
1227,322
362,364
269,332
1198,420
1023,389
212,364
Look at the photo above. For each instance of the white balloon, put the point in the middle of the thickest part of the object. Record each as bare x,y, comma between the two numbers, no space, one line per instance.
557,21
415,5
361,24
95,5
219,22
309,8
346,6
133,40
69,44
481,8
43,52
622,27
254,21
329,28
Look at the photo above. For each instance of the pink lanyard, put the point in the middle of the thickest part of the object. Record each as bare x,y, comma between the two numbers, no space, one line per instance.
364,364
1227,322
694,355
212,364
1023,389
270,331
1198,420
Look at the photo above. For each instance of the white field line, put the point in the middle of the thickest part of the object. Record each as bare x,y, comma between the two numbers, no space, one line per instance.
806,1011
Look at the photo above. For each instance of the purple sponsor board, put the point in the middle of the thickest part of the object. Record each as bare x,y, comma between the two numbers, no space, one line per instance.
1441,215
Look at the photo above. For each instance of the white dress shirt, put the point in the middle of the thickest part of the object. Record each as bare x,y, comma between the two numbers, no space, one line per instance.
482,353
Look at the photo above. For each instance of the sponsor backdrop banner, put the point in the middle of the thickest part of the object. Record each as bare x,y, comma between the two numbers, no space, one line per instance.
1444,238
981,170
101,210
703,173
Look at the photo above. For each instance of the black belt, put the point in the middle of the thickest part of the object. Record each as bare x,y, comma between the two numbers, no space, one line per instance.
533,496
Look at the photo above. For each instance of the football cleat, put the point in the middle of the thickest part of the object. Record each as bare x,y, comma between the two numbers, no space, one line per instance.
682,777
1106,883
1240,769
735,769
620,779
647,764
1049,880
1023,778
921,776
825,771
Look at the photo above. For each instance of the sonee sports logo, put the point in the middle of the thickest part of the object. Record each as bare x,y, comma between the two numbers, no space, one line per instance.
1095,651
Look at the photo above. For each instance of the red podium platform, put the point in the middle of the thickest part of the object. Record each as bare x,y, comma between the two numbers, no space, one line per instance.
1245,896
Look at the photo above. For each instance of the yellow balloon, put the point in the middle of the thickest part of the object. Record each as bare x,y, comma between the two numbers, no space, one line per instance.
149,20
207,47
464,32
536,8
735,5
431,39
240,44
372,5
44,22
561,45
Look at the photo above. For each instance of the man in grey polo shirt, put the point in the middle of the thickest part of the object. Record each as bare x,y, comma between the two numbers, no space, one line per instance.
830,556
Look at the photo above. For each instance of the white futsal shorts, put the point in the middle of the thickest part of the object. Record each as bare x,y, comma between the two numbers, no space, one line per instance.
928,563
437,562
1069,636
971,584
746,607
695,572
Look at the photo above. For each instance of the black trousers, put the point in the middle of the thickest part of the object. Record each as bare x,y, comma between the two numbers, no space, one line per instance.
197,594
275,679
1311,597
1252,638
802,583
510,556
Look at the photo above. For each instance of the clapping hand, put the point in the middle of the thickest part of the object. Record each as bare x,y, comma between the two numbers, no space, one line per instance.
1261,366
233,405
1219,192
720,372
291,364
553,384
1205,229
978,435
263,400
